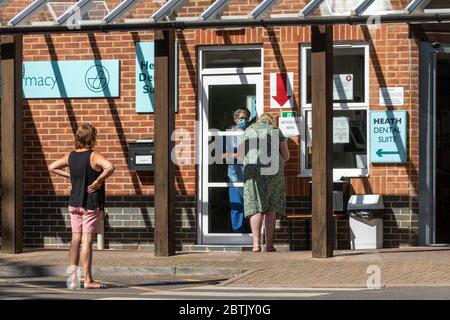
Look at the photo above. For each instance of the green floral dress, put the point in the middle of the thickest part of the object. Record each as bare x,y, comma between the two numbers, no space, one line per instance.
264,184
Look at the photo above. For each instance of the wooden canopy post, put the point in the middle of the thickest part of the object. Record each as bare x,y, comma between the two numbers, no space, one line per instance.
164,126
322,147
11,144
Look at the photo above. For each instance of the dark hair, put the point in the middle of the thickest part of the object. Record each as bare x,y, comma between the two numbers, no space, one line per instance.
86,136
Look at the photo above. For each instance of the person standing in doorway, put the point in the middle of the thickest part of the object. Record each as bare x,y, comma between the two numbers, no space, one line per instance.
88,170
266,152
234,170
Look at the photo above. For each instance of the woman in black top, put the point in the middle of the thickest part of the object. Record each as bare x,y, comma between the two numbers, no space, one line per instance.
88,170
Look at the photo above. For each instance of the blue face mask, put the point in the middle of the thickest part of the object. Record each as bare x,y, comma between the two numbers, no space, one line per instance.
242,123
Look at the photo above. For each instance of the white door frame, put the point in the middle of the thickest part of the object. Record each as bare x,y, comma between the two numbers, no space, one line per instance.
229,76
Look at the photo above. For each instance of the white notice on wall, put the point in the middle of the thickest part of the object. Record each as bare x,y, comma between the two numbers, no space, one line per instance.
341,130
144,159
392,96
290,126
343,86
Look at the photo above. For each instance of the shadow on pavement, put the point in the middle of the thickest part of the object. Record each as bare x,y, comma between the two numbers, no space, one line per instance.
177,283
437,249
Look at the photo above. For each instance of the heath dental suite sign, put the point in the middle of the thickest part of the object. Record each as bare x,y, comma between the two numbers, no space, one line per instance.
71,79
388,136
145,77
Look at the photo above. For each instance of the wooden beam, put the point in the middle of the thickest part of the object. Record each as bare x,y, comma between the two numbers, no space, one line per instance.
164,126
430,27
432,32
322,147
11,143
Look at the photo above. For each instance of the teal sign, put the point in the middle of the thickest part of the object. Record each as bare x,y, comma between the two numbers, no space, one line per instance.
145,73
71,79
145,76
388,136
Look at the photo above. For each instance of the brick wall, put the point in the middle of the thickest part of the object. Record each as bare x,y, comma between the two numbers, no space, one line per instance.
129,223
49,126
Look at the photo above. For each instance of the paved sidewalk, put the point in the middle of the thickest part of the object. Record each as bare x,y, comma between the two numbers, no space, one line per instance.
416,266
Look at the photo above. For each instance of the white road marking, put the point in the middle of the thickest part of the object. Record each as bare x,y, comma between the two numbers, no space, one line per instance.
128,298
239,294
218,288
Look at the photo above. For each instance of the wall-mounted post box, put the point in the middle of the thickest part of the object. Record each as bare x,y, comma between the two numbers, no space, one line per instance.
341,193
141,155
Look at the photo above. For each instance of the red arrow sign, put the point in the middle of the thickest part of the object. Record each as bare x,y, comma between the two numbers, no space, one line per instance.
282,97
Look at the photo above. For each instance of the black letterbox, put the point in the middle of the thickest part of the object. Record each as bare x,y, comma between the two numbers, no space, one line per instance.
141,154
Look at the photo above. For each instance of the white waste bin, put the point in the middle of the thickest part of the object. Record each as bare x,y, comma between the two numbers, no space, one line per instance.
366,221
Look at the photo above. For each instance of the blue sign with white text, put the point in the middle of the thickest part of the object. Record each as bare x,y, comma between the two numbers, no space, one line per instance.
71,79
388,136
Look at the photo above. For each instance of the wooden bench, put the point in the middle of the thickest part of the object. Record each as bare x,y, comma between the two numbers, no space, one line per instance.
305,215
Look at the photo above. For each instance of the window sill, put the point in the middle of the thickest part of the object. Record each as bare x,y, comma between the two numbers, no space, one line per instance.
362,175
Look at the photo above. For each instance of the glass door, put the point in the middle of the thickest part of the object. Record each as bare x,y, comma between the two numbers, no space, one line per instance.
221,191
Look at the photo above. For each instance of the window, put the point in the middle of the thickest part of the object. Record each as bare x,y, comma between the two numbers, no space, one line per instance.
349,76
246,58
350,110
214,60
349,139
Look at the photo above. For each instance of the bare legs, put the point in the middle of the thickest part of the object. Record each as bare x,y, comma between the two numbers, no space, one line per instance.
85,240
256,221
269,222
256,224
74,257
86,256
74,252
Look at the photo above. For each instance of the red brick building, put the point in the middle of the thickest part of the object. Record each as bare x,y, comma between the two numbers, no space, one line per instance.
378,56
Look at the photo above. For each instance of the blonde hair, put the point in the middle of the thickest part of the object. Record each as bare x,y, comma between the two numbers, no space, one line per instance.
86,136
265,117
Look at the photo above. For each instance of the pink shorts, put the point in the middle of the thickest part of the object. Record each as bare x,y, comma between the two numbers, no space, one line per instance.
84,220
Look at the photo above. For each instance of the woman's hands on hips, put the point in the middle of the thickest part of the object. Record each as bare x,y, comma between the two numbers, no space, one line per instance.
94,186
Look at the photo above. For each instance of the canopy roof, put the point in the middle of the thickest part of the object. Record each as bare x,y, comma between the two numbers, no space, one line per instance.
73,14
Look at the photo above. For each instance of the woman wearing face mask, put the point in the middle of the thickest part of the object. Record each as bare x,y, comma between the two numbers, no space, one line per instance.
234,171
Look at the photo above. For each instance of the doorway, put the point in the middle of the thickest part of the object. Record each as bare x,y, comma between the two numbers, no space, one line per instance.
223,91
442,148
434,140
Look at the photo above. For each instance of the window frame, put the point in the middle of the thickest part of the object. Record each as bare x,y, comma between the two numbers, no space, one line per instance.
339,106
218,71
